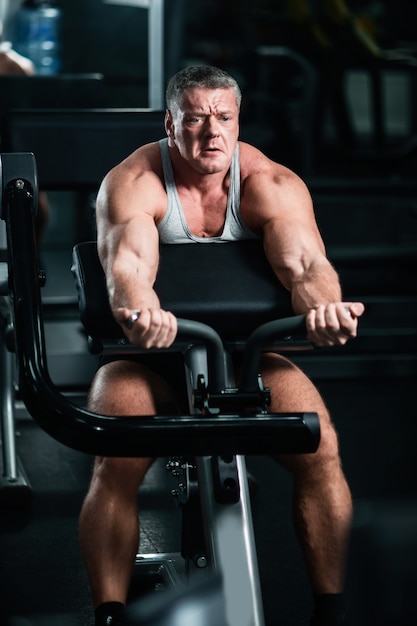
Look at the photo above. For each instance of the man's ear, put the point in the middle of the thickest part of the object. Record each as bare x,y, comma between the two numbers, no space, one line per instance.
169,125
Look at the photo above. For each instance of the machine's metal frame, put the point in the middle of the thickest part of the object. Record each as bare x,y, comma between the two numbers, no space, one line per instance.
218,428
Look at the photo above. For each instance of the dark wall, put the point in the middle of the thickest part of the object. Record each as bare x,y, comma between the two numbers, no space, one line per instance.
99,37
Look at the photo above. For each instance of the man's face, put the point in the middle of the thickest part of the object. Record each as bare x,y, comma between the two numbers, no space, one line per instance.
205,128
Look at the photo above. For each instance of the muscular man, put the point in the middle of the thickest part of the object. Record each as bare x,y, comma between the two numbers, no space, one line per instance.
201,185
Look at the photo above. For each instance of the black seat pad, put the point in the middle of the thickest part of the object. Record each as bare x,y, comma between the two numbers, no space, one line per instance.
229,286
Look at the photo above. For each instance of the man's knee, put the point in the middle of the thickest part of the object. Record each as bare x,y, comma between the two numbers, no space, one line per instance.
128,388
119,476
322,465
291,389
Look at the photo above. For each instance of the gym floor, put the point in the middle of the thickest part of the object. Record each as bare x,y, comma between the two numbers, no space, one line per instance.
43,582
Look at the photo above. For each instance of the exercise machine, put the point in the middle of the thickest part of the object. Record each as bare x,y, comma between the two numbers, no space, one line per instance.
226,421
212,488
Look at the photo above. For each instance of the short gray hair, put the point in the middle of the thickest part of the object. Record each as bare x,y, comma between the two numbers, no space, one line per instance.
199,76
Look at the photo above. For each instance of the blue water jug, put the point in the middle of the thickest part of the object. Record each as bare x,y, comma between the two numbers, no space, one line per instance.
37,35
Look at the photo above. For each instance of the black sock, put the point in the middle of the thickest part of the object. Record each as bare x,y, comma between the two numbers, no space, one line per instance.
329,610
110,614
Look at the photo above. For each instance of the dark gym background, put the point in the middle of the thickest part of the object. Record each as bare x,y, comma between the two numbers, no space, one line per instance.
364,189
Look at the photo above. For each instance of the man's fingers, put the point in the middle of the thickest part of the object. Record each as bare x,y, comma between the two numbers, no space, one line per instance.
334,323
357,308
150,328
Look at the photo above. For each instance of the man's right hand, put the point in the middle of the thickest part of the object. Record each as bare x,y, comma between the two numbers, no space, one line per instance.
149,328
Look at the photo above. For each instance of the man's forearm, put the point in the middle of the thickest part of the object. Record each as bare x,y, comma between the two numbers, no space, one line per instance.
318,285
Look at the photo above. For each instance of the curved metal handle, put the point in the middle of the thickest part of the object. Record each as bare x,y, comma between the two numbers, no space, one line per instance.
197,332
286,327
280,329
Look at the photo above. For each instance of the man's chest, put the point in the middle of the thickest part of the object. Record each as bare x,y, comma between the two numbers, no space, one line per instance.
206,216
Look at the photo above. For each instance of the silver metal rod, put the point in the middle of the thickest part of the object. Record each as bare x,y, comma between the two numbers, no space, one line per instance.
229,534
10,471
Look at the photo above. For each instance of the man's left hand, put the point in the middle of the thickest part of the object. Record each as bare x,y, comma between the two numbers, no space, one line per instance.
333,324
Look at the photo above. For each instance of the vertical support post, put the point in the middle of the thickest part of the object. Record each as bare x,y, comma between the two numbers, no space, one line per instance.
10,473
156,54
14,486
229,534
228,527
156,15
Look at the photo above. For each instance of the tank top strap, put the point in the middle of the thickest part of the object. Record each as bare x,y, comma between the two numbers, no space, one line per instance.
233,200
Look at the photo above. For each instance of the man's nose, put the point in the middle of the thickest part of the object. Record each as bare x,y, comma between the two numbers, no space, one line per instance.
212,126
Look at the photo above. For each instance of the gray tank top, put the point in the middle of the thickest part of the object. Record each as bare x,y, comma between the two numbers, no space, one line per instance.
173,228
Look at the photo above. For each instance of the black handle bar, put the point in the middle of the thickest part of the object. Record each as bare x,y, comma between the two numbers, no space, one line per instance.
281,329
285,328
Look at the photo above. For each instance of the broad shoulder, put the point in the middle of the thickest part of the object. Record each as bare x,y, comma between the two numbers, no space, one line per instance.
135,183
261,176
